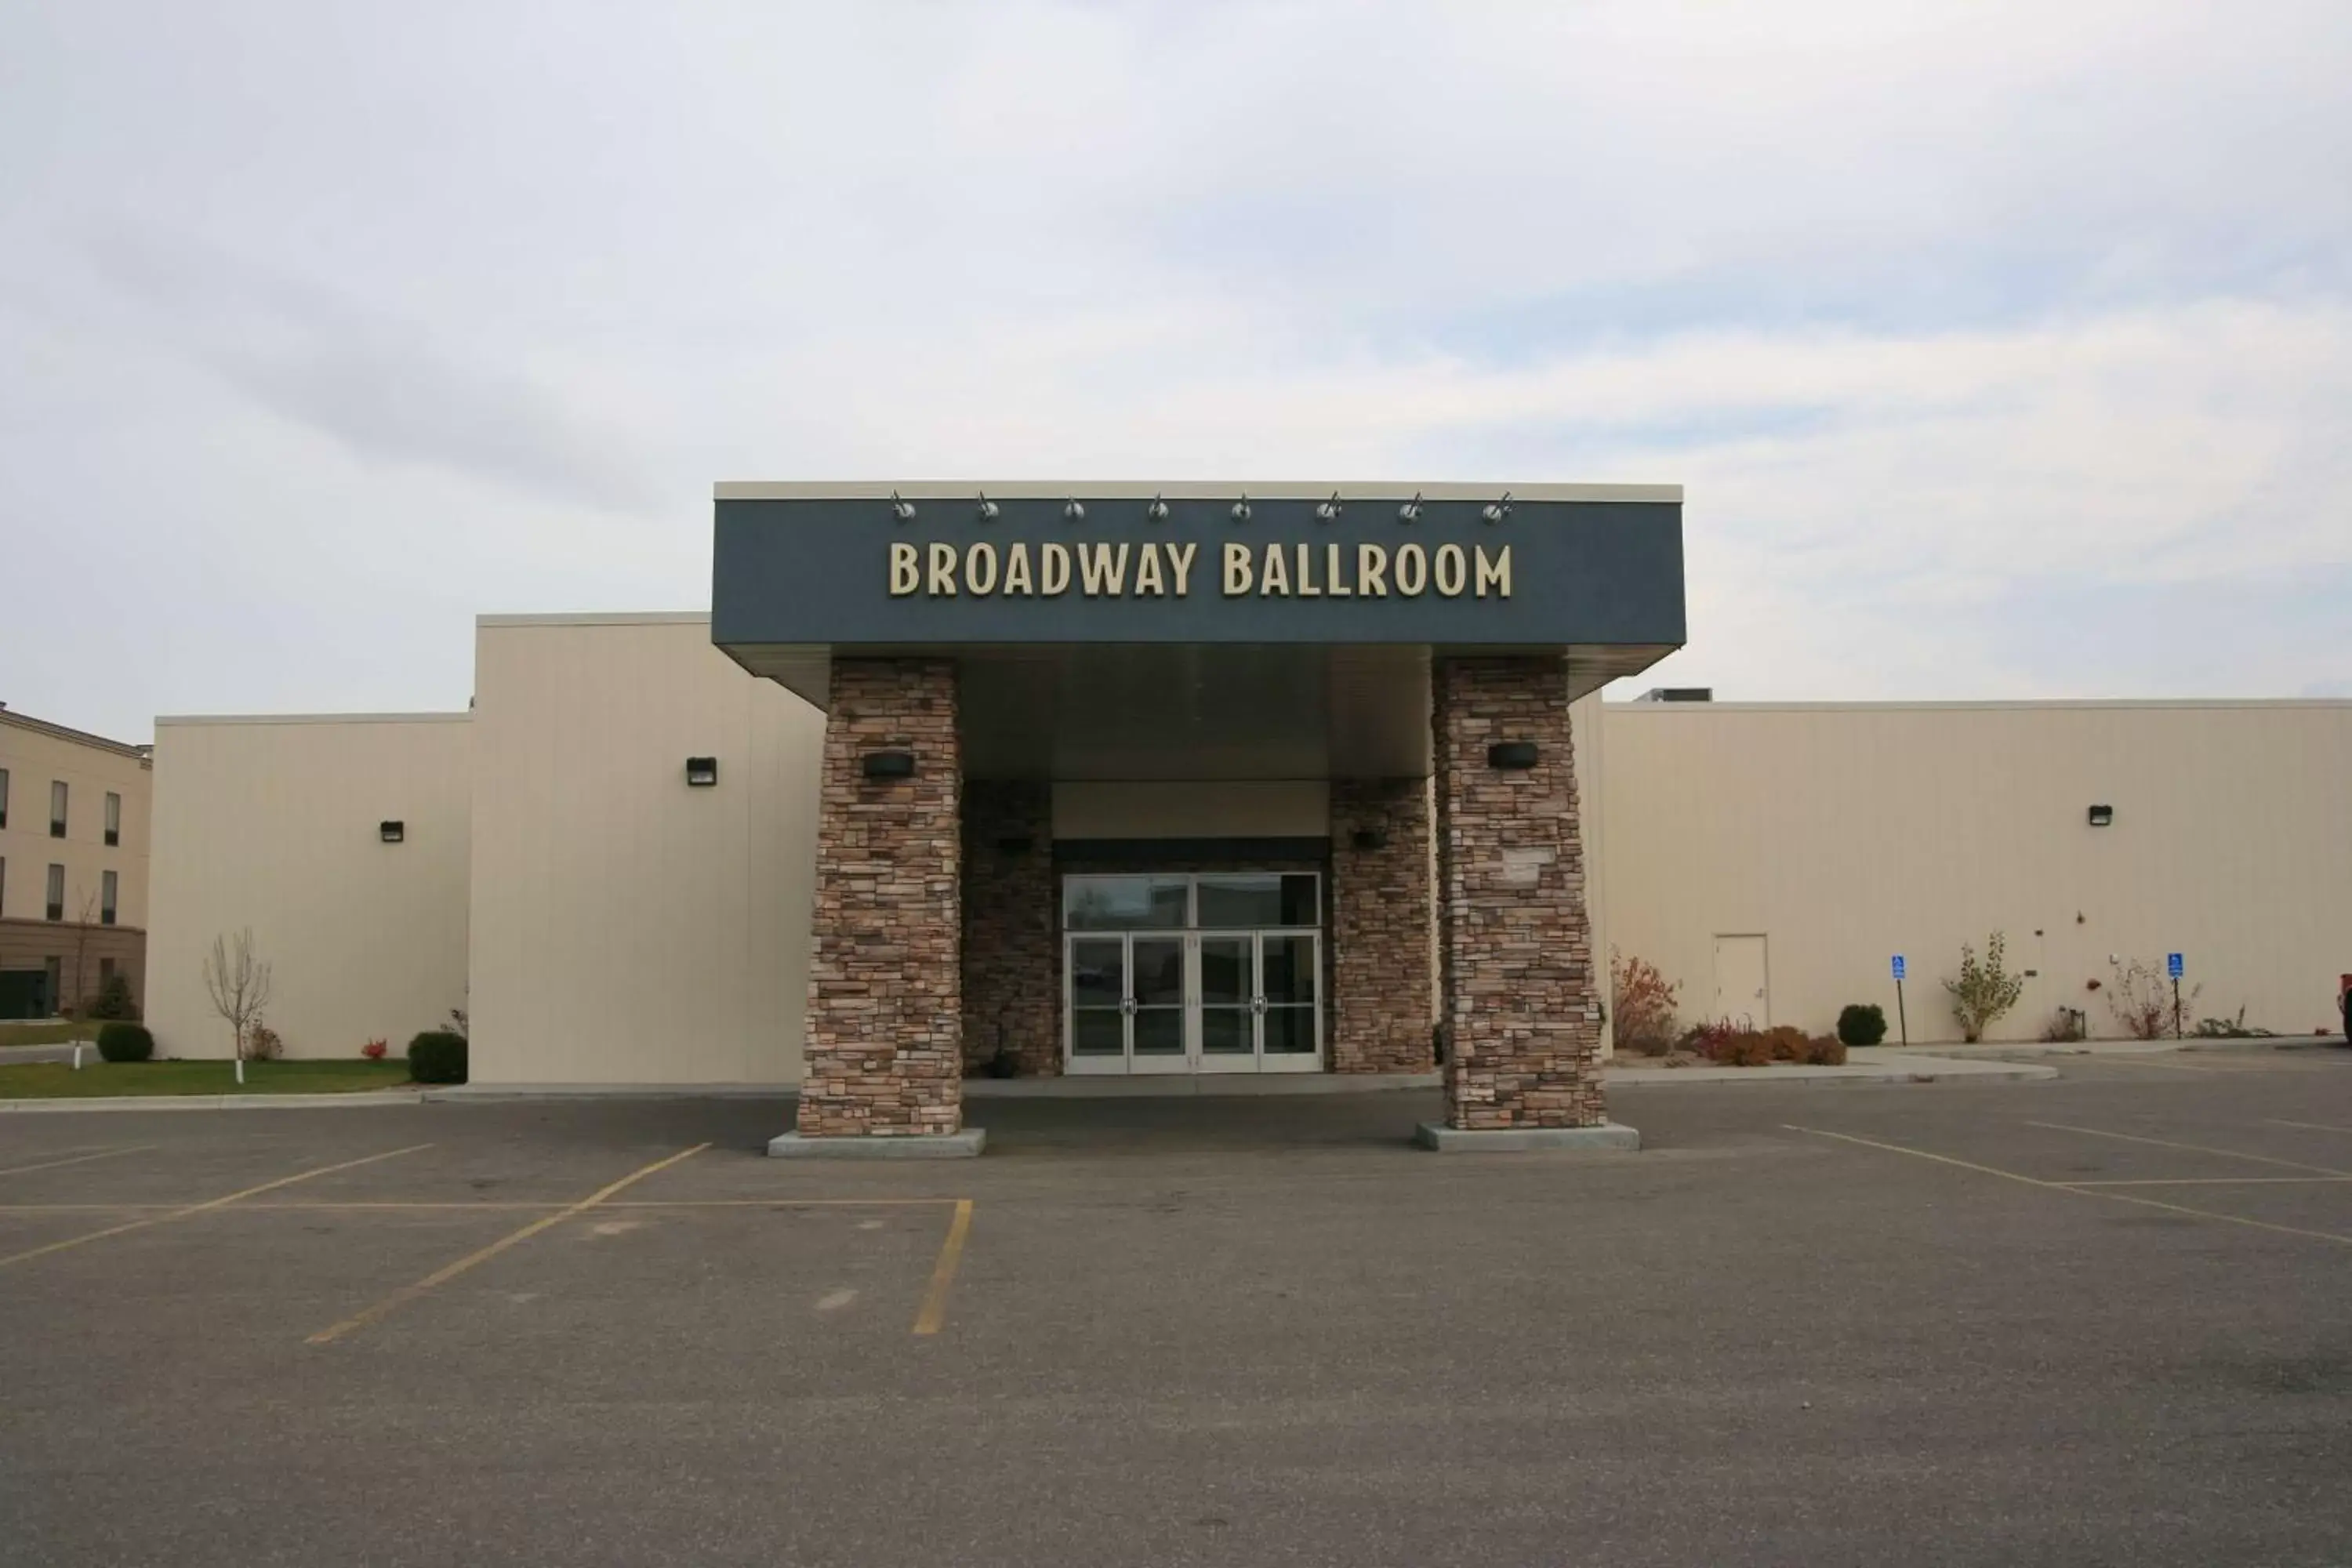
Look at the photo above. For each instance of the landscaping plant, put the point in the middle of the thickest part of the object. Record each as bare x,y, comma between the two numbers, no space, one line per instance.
2065,1025
1862,1023
438,1055
2140,996
120,1040
1985,989
113,1000
374,1050
1642,1000
238,982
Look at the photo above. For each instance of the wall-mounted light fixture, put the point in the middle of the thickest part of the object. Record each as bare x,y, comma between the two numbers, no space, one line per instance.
701,773
2103,815
392,832
1369,839
1242,510
1158,511
1497,510
888,765
1511,754
1075,512
1330,511
988,509
1410,511
904,511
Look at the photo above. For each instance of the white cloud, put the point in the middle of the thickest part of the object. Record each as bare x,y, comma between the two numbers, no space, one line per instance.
1958,319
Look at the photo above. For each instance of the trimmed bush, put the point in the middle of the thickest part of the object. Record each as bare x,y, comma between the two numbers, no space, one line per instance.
121,1041
1862,1023
438,1055
113,1000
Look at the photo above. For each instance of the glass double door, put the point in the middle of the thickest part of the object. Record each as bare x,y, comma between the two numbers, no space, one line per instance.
1167,1002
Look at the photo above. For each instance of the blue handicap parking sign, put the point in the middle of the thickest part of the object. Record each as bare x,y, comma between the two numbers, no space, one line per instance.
2172,964
1898,966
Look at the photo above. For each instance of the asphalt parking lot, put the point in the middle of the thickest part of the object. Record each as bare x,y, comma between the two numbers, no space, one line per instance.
2105,1319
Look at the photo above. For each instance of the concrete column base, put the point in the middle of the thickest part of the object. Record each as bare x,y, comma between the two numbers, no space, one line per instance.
959,1145
1608,1136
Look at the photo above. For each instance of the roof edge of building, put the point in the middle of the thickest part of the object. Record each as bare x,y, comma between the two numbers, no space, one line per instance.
1184,489
599,618
67,732
1990,705
179,720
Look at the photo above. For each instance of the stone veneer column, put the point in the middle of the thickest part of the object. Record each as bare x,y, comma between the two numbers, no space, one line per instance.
886,1008
1381,911
1012,963
1522,1015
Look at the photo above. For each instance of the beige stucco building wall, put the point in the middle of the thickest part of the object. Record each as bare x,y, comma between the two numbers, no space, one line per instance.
1844,833
35,755
626,928
274,823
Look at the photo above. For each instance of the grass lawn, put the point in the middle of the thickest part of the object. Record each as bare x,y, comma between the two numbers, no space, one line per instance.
57,1080
43,1032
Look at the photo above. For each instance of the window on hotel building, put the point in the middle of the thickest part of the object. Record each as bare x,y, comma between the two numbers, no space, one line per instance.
3,797
106,886
114,817
3,886
57,808
57,892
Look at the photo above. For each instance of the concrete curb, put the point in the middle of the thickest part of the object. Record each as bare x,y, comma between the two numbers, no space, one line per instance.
461,1093
962,1145
1187,1086
1610,1137
1913,1069
214,1101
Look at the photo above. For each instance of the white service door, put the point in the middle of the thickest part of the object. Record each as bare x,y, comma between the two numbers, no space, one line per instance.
1742,981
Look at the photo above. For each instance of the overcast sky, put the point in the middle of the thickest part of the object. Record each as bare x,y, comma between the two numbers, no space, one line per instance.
2005,349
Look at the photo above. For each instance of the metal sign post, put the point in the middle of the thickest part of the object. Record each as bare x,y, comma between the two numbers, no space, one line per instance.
2173,966
1900,1017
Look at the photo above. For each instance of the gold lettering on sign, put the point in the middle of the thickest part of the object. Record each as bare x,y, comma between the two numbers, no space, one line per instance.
1181,557
980,569
1307,588
1496,572
1146,574
1274,577
1412,571
1452,570
1163,569
1102,571
1237,570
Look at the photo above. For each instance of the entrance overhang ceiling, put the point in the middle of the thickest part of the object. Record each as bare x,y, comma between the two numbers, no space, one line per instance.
1279,635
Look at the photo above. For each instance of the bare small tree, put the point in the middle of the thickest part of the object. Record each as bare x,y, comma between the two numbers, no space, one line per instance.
74,1003
239,983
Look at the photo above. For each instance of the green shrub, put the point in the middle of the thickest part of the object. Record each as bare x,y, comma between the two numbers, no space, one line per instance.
438,1055
121,1041
1862,1023
112,1001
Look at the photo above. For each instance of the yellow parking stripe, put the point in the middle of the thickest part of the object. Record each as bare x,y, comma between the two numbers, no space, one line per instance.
205,1207
2190,1147
935,1299
76,1159
2075,1188
443,1275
